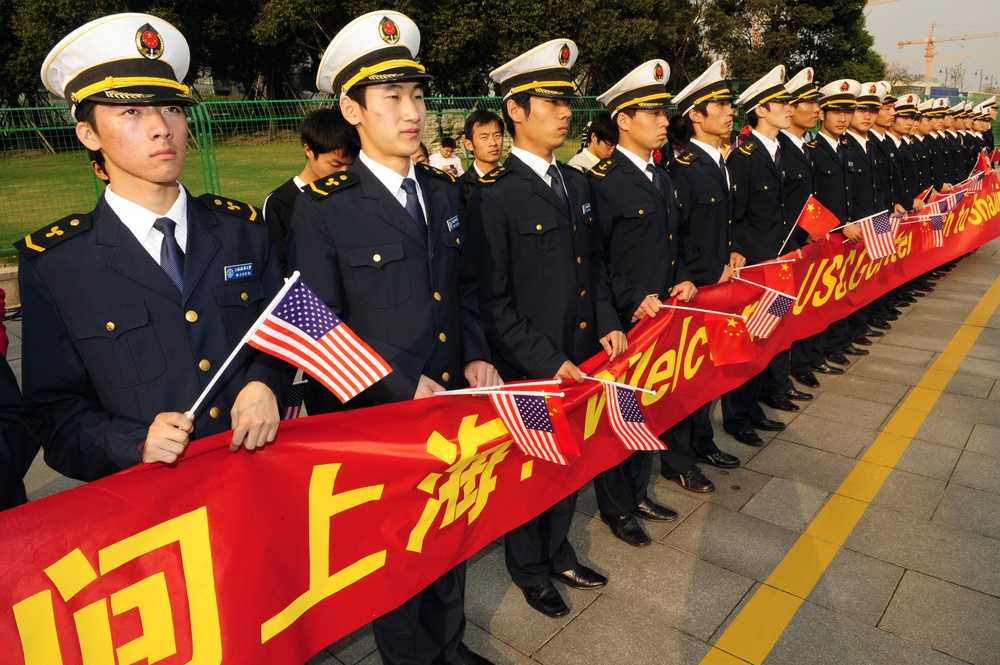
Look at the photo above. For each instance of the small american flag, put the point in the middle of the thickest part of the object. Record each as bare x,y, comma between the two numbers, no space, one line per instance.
303,331
879,235
943,204
976,182
534,431
768,312
627,421
293,403
937,230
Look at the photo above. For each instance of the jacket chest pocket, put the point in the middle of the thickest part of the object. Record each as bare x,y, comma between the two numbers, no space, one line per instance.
539,241
239,307
379,275
711,199
119,346
636,214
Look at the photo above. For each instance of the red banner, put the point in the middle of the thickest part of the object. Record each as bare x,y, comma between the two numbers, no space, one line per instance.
269,557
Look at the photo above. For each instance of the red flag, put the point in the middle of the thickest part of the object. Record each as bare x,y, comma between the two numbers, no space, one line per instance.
982,163
302,330
627,421
780,277
995,156
536,430
728,340
293,404
768,312
816,219
879,234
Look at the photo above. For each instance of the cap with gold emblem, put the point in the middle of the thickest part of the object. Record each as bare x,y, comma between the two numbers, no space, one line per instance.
644,88
958,110
871,96
839,95
989,103
939,107
378,47
925,107
120,59
544,71
906,106
801,87
711,86
768,88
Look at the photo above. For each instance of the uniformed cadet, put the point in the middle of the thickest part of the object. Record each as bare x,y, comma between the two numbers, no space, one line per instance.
484,139
760,223
129,309
806,354
384,247
961,128
990,109
944,164
633,197
543,290
906,178
833,178
923,148
949,135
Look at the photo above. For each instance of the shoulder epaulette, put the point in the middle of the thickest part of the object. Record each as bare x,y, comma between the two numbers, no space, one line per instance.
813,143
326,186
844,141
685,158
51,235
238,208
602,168
494,175
430,170
747,147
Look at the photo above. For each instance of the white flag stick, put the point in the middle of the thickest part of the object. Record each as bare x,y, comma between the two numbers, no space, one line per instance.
773,262
487,391
706,311
787,238
274,302
506,386
615,383
766,288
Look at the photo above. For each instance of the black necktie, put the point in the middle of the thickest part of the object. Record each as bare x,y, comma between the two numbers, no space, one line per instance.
557,186
725,173
413,206
657,180
171,256
777,158
836,151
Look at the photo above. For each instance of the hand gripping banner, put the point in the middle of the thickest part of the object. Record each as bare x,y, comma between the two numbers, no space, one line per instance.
269,557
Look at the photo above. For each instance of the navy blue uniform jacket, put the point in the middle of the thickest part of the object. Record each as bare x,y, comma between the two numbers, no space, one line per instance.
702,195
833,179
109,342
402,291
759,220
544,289
639,227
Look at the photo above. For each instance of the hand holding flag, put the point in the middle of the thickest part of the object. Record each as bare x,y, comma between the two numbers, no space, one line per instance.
816,219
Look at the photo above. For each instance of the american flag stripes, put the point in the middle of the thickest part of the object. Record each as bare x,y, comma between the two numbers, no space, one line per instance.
627,421
293,403
768,312
879,235
530,425
944,204
937,230
303,331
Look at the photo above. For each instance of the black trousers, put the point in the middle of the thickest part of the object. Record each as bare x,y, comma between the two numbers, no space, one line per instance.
540,546
691,437
623,487
775,381
428,628
807,353
740,407
836,339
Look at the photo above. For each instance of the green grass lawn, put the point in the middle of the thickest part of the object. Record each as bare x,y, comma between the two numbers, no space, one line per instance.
40,188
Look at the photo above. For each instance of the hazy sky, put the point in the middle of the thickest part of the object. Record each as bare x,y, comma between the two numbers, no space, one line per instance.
905,20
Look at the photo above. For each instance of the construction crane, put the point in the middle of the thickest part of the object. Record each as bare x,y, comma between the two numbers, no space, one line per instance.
904,63
931,40
880,2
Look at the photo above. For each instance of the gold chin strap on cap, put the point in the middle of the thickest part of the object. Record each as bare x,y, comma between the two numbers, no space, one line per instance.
725,92
540,84
112,82
641,100
365,72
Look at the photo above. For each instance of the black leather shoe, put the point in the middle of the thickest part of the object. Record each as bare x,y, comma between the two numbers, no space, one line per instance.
650,510
546,599
881,324
876,333
627,529
693,480
893,311
721,460
781,403
808,379
918,293
855,351
861,340
582,577
890,316
768,425
798,395
748,437
837,359
907,298
827,369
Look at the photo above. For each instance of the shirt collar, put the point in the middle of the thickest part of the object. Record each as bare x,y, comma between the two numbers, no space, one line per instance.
832,141
139,220
712,151
892,136
863,140
534,162
389,178
772,146
634,158
795,139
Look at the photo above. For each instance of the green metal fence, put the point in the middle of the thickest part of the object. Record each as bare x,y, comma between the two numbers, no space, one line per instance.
239,149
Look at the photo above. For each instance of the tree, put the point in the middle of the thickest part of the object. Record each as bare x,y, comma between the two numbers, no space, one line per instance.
899,75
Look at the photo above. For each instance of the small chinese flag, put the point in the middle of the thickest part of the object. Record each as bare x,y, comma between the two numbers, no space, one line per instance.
982,164
816,219
728,340
781,277
995,156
